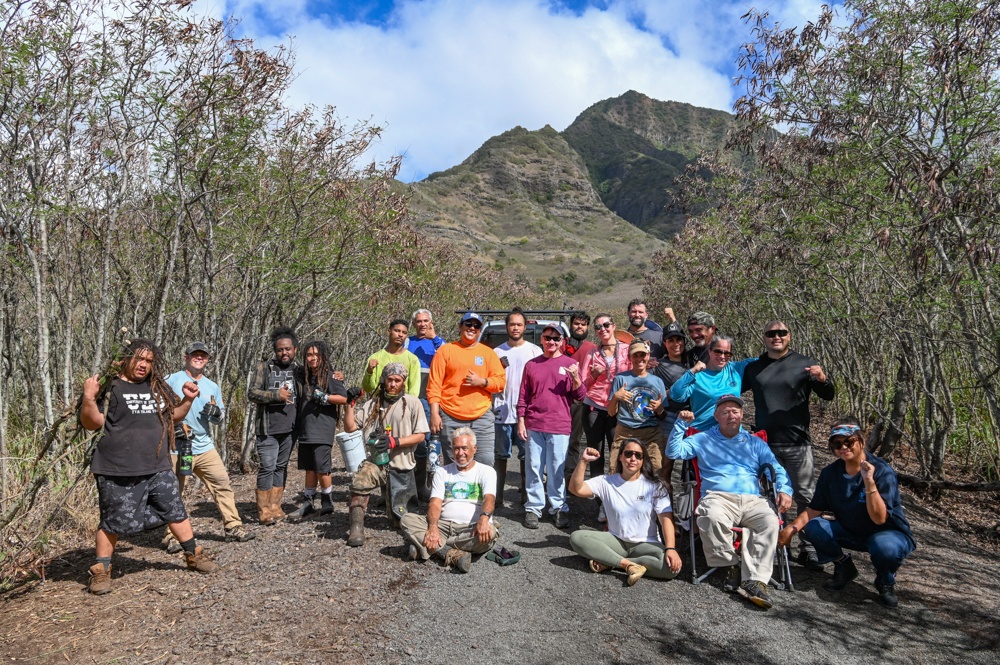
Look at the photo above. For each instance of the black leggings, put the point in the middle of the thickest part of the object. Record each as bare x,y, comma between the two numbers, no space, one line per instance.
600,430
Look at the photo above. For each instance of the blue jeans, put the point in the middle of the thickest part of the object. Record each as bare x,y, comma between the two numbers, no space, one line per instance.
506,439
273,451
887,548
546,452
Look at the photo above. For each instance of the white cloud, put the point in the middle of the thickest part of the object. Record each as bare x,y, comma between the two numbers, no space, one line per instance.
445,75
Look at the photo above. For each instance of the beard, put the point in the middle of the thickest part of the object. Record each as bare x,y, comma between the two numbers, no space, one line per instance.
578,336
637,321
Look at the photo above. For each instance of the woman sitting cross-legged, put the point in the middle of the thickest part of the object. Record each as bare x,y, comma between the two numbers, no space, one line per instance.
862,492
635,500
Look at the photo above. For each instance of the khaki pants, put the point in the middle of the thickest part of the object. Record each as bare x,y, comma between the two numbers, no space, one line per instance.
453,534
718,513
212,471
651,438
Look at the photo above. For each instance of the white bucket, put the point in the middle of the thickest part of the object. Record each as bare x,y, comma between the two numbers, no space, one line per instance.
352,449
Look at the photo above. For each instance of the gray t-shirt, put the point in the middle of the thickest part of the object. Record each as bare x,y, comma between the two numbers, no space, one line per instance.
637,412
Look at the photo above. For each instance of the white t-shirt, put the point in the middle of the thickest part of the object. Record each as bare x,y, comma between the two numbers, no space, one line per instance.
463,491
632,507
505,403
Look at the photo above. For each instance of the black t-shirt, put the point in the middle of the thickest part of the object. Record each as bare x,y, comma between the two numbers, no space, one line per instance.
655,340
669,371
281,415
781,390
132,432
318,422
696,354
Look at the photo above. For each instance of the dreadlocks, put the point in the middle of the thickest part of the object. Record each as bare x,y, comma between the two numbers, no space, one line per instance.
383,401
161,393
321,375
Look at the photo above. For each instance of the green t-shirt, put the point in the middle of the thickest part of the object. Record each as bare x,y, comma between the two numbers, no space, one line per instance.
370,382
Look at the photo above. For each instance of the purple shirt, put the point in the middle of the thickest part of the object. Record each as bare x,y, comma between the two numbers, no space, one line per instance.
547,394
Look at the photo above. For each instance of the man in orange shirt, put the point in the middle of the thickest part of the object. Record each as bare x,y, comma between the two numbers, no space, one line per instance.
464,376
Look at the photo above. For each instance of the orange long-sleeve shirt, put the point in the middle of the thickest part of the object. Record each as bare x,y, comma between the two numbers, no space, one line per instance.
445,385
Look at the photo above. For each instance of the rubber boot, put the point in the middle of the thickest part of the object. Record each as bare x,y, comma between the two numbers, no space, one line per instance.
356,536
264,511
305,509
500,465
325,503
420,473
524,487
277,512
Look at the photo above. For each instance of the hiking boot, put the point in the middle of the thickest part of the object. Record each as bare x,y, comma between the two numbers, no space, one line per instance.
237,534
635,572
887,595
170,543
530,520
562,520
809,560
325,504
100,579
459,560
304,510
200,561
356,536
756,593
277,512
732,581
843,572
264,512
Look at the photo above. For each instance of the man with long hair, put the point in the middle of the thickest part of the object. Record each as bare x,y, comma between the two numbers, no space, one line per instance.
136,486
396,421
322,394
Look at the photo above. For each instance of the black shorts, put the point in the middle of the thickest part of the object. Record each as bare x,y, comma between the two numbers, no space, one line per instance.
131,504
316,457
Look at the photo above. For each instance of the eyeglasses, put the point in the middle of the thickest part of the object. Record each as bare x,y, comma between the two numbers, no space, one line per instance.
843,443
722,353
552,338
771,334
473,324
607,325
632,454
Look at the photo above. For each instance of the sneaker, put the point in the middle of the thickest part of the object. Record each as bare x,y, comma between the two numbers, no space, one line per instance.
635,573
412,554
200,561
100,579
732,581
325,504
809,560
756,593
843,572
237,534
602,516
562,520
530,520
459,560
303,511
170,544
887,595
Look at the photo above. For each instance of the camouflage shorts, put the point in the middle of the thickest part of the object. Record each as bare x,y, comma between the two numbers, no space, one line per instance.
369,479
130,504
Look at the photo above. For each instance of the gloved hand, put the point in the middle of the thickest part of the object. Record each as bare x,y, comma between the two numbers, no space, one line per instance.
381,444
353,393
319,396
212,412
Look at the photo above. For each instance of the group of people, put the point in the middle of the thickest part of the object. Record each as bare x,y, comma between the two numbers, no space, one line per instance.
640,398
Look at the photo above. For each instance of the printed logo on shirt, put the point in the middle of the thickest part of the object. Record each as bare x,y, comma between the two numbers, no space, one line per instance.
463,491
141,403
479,360
861,497
640,403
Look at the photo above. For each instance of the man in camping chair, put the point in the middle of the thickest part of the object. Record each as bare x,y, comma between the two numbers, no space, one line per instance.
729,460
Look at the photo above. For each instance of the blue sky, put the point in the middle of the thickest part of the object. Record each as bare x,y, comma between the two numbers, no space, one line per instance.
442,76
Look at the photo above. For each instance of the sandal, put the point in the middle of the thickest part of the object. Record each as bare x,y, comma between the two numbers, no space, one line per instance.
635,572
598,567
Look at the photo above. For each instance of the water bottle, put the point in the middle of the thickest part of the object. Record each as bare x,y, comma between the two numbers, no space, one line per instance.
185,456
433,454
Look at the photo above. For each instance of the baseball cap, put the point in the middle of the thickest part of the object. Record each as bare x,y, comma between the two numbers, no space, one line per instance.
728,398
673,330
844,430
638,344
701,319
471,316
197,346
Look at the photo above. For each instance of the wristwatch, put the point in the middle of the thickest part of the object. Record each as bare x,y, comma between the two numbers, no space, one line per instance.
487,513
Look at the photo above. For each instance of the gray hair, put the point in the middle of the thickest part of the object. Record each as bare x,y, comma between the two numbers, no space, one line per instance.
413,319
464,431
721,338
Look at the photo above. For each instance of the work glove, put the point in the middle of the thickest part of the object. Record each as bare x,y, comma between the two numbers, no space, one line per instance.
353,393
212,411
381,444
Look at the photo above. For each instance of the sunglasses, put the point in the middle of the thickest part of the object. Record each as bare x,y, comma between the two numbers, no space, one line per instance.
845,443
722,353
632,454
473,324
552,338
607,325
771,334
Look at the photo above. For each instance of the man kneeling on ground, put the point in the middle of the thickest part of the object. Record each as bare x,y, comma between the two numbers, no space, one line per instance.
459,520
729,460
